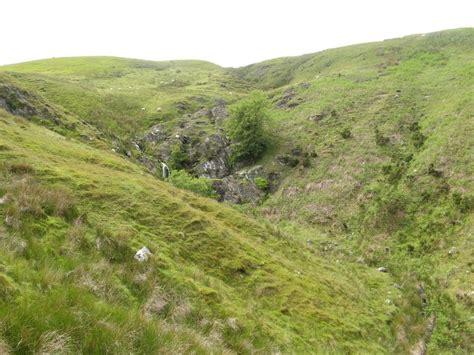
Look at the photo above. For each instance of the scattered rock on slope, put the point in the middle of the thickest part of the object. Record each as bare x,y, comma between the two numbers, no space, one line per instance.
287,96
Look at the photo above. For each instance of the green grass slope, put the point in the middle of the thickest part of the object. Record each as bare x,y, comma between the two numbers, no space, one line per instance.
218,281
125,96
386,167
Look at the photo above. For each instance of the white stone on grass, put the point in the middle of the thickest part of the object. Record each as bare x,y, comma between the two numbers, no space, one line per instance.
143,254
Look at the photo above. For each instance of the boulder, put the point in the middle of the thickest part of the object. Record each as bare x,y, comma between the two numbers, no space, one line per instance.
143,254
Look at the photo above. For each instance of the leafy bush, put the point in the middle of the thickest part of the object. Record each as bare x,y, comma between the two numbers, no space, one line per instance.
246,127
179,157
183,180
262,183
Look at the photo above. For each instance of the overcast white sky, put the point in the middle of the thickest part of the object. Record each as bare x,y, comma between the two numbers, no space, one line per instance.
226,32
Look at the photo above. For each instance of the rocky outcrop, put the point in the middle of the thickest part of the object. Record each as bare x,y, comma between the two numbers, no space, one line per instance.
23,103
216,151
235,190
250,173
204,146
200,140
286,97
218,113
156,133
214,169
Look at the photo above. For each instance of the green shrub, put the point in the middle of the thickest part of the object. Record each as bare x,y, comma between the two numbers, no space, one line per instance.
346,133
262,183
246,127
183,180
306,162
380,139
433,171
417,137
463,203
179,157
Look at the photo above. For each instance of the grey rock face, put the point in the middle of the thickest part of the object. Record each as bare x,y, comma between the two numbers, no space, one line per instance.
218,113
207,153
215,150
251,173
22,103
231,189
156,134
214,169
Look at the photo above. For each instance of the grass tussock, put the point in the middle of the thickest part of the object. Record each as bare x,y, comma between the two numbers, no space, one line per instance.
26,197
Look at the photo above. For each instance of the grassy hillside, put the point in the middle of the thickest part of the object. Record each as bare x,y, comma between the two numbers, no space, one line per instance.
217,280
379,137
386,167
123,96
